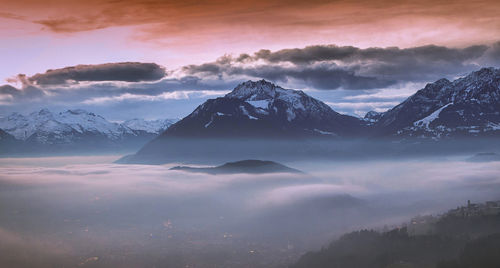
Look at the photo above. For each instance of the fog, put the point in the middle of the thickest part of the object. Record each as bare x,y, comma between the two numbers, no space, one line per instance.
215,151
89,212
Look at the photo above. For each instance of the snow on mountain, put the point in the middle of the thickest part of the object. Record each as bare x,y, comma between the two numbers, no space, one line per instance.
70,125
151,126
257,119
83,121
263,109
44,121
293,105
372,117
22,127
263,95
430,118
468,106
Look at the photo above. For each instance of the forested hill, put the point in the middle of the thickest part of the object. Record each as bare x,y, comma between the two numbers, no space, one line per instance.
466,237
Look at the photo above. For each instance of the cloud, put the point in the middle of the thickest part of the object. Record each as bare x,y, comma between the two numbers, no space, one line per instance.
348,67
288,195
349,54
354,80
175,95
27,92
275,20
76,208
123,71
322,76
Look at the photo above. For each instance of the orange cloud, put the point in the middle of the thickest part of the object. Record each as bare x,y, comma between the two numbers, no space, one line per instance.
175,33
171,18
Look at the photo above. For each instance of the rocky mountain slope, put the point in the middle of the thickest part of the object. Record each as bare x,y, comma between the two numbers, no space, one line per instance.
151,126
469,106
262,109
255,120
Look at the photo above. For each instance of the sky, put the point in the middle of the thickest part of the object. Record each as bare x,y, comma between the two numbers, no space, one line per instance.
160,59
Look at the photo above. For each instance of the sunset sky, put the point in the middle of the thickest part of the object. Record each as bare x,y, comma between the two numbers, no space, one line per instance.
160,59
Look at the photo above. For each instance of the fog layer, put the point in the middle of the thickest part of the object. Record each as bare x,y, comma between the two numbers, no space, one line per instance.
89,212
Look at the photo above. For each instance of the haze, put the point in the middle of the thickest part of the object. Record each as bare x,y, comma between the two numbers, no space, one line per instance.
74,211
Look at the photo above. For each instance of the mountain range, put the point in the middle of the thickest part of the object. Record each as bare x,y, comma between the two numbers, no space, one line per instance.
260,119
468,107
75,130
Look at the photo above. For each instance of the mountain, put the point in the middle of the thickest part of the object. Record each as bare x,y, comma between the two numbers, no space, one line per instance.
262,109
282,122
244,166
152,126
44,131
469,106
372,117
49,128
255,120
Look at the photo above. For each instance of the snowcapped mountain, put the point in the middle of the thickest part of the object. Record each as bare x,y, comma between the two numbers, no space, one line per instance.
469,106
256,120
78,129
262,109
152,126
466,107
48,127
372,117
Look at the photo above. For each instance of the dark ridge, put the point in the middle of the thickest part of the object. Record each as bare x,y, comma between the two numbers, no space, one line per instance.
244,166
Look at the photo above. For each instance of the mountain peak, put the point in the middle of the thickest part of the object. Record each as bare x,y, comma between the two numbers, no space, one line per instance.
484,75
372,116
486,71
467,106
254,90
44,111
78,112
442,82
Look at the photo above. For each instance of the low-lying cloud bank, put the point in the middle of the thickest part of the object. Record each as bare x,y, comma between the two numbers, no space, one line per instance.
341,73
134,214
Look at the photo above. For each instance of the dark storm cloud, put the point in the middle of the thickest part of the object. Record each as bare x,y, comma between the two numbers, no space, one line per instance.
319,77
353,54
124,71
347,67
79,93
